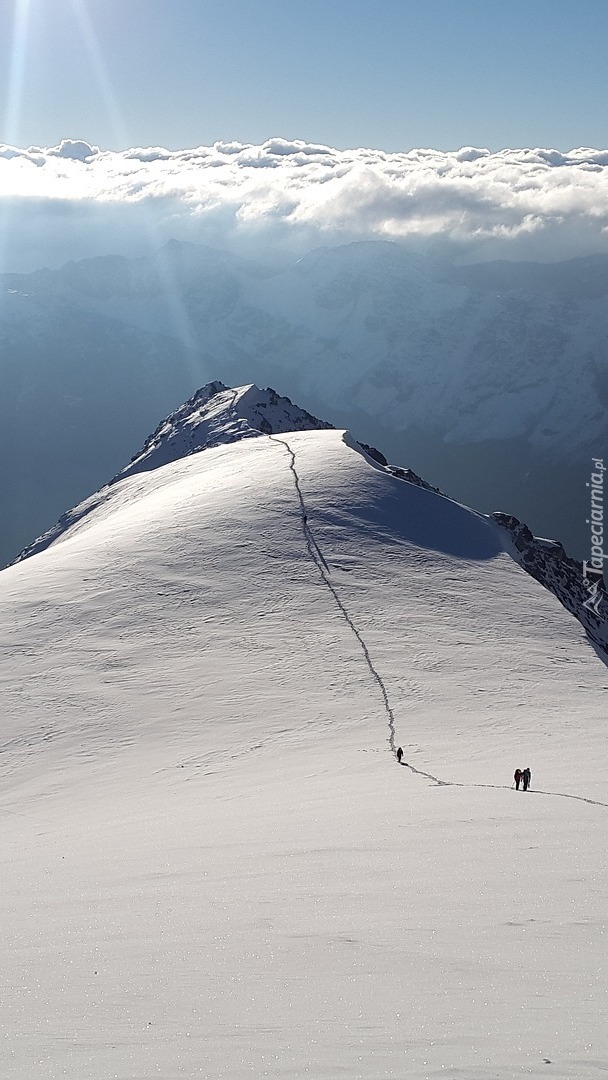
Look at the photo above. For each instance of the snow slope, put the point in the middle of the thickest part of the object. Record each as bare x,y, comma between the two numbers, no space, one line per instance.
212,864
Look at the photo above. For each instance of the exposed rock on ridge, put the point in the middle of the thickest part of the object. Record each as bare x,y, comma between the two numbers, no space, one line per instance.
219,414
547,561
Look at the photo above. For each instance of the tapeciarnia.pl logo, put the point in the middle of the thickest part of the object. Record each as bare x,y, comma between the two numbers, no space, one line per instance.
594,569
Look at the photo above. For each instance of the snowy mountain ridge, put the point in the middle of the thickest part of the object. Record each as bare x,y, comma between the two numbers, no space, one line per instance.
218,415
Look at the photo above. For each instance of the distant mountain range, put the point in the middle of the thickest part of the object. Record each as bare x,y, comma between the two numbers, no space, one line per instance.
491,381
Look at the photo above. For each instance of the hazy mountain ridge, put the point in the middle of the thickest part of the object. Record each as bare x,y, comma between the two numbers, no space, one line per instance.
406,340
485,390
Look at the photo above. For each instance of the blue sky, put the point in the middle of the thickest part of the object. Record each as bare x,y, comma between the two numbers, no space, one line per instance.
393,74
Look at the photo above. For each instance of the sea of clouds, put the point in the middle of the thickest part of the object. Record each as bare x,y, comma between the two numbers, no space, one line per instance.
75,199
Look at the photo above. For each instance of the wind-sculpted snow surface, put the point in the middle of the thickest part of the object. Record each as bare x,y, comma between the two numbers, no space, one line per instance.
545,560
211,864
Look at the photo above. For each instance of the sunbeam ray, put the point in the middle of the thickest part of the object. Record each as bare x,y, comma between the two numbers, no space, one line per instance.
14,98
100,71
16,71
116,118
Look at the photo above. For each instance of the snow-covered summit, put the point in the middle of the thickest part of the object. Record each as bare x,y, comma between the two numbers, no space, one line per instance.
218,414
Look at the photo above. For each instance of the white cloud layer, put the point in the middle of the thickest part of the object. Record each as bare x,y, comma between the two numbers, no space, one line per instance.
76,199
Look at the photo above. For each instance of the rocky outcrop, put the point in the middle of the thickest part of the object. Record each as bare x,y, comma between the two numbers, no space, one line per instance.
548,562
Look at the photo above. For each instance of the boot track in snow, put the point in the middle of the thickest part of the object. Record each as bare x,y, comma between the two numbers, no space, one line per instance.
317,557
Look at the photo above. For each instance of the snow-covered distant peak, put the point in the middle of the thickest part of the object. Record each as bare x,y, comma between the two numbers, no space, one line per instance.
218,414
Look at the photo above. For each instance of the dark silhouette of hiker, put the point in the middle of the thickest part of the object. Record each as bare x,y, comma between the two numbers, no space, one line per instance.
526,777
517,776
399,755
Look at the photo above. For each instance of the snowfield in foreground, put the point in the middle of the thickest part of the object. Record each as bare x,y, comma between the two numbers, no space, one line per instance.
212,864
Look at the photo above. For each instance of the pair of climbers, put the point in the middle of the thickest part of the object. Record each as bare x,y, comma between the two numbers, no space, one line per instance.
522,776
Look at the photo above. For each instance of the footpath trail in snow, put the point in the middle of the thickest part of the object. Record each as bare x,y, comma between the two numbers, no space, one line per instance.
321,563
